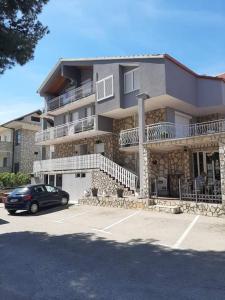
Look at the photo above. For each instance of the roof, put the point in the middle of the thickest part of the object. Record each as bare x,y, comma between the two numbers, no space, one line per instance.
38,111
57,67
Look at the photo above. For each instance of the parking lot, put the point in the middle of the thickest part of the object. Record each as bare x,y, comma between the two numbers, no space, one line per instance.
85,252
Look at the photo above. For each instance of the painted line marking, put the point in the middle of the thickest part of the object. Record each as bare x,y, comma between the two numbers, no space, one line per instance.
186,232
76,215
101,230
116,223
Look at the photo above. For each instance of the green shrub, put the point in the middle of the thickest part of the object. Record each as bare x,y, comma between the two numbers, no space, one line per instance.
12,179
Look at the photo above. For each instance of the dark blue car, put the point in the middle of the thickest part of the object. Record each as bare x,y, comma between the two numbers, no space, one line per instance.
34,197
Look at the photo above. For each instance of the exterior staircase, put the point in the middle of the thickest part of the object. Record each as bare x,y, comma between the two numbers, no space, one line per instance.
90,161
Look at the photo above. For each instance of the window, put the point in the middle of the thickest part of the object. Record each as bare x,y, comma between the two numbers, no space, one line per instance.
104,88
51,189
51,179
5,162
59,180
131,81
18,137
35,119
16,167
88,111
39,189
46,178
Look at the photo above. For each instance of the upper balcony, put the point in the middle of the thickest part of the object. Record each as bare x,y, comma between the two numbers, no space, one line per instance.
82,128
162,133
72,99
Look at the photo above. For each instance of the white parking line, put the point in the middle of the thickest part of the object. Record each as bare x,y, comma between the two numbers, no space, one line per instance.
184,235
76,215
116,223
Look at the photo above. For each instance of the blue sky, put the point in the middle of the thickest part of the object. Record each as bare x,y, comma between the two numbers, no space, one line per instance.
192,31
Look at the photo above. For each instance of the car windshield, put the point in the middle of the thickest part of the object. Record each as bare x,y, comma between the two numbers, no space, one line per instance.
20,191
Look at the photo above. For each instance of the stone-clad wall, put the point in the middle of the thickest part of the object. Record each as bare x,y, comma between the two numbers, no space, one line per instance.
207,118
104,183
6,151
68,149
155,116
26,150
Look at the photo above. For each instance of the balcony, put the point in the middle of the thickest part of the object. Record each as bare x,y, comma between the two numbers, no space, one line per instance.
166,131
74,97
79,129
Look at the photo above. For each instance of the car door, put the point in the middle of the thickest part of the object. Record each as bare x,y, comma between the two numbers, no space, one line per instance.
40,195
54,196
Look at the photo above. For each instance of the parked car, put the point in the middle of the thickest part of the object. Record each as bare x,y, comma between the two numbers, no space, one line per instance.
34,197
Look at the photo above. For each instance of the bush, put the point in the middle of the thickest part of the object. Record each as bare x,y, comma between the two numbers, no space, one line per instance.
12,179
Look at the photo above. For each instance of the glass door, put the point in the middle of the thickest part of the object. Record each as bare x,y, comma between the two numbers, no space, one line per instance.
207,162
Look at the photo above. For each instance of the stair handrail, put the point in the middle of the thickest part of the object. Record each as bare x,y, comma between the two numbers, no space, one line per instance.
124,176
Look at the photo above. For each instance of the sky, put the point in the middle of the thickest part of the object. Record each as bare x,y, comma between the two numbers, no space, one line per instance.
191,31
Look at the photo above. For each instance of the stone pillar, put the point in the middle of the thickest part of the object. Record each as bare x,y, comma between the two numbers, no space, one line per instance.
222,169
143,152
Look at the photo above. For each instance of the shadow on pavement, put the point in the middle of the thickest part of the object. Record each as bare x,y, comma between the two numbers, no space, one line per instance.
2,222
84,266
45,210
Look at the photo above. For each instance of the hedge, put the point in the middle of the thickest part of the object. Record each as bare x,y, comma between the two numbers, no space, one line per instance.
12,179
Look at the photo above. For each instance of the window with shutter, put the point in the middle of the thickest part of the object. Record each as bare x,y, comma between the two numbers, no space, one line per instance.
131,81
104,88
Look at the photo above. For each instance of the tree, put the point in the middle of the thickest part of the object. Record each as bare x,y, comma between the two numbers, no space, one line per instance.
20,31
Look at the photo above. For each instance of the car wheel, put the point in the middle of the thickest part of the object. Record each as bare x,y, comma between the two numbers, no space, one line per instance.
33,208
64,201
12,211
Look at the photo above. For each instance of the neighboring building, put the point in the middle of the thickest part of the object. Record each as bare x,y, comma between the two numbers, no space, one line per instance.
17,143
101,106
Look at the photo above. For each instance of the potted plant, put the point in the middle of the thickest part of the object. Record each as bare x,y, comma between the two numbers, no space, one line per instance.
94,192
119,193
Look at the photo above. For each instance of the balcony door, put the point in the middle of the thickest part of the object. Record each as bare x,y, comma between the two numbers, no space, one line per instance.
181,124
100,148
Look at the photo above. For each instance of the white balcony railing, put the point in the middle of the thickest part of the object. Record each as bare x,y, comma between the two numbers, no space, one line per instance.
71,95
90,161
167,130
67,129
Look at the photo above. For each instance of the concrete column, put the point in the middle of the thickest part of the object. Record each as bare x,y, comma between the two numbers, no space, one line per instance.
143,152
222,169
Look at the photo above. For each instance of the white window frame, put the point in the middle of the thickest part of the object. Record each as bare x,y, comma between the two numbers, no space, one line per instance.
124,76
103,80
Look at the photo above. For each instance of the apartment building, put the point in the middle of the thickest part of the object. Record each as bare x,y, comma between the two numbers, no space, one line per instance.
17,143
145,123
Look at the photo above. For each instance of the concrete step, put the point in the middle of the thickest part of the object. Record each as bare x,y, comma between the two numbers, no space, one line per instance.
173,209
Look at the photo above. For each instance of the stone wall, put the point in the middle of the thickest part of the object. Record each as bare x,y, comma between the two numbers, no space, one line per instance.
113,201
205,209
190,207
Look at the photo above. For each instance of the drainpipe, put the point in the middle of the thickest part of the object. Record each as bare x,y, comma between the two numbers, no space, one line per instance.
13,145
141,131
